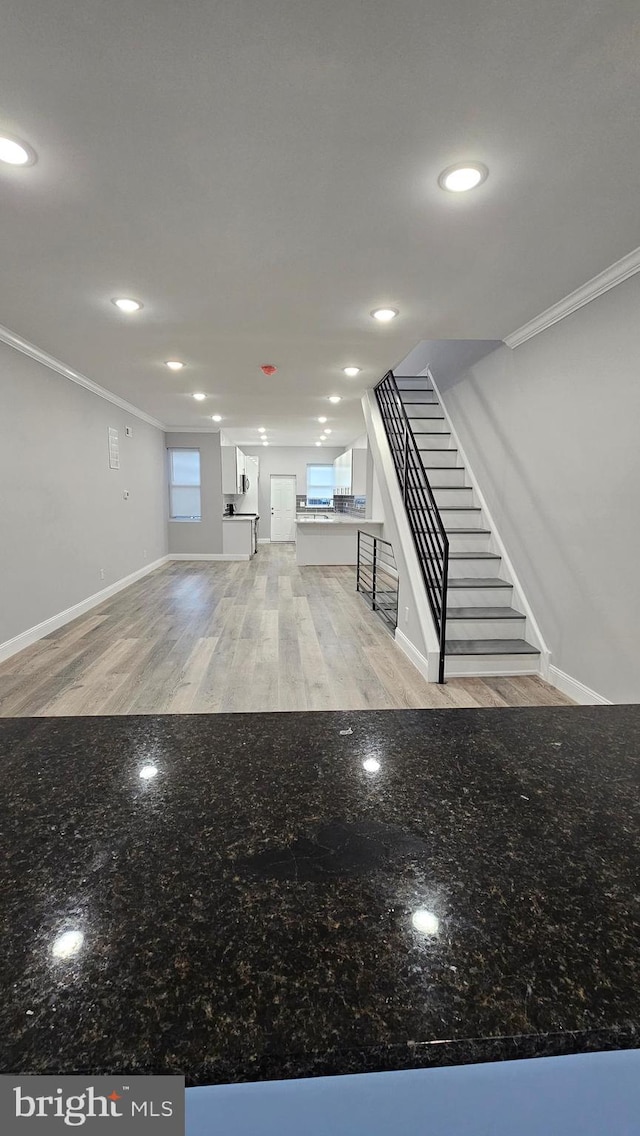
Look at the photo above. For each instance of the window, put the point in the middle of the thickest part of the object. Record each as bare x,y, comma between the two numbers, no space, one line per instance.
184,485
320,485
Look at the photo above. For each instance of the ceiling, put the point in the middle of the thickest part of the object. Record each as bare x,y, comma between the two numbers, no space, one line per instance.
263,173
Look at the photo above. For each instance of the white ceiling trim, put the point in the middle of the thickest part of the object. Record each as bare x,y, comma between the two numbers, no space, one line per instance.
621,270
23,345
191,429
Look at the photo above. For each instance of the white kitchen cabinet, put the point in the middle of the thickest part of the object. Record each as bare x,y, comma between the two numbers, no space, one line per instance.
233,469
342,474
359,473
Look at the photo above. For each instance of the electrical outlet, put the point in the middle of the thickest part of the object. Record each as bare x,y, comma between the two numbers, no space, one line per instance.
128,432
125,494
406,614
102,573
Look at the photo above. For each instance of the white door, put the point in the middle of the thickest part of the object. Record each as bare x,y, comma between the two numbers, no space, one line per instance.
283,507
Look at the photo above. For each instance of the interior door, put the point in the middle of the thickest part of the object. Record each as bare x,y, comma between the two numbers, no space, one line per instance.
283,508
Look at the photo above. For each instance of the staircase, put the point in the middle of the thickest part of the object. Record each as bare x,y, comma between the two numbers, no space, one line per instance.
484,632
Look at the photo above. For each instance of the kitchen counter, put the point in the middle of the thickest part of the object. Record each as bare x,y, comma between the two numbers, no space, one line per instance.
269,906
359,522
336,543
238,541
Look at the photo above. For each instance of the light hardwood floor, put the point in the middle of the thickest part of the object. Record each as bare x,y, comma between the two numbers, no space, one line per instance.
198,637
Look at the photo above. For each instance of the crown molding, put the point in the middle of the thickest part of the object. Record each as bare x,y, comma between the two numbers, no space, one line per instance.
26,348
191,429
615,274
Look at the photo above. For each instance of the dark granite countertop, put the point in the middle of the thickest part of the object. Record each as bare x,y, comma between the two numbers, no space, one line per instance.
277,897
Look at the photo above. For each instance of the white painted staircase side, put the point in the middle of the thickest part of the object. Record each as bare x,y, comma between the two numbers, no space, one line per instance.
490,627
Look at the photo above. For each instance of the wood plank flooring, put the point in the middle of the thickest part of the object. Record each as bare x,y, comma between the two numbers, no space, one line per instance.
201,637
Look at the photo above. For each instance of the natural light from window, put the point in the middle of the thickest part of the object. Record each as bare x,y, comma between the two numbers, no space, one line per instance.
320,486
184,485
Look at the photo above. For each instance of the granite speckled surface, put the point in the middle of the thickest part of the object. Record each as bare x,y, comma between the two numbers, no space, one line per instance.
248,911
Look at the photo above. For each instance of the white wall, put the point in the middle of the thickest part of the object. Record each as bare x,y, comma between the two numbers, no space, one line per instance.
552,432
286,459
62,512
203,536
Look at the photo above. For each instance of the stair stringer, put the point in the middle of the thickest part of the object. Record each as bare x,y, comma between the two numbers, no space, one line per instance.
533,633
417,637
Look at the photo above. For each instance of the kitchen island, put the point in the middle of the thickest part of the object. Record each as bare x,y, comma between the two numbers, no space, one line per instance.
332,538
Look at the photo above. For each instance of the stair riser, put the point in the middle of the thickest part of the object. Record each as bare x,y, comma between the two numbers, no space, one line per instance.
471,665
479,597
446,478
431,426
459,569
462,519
445,459
418,398
433,442
426,410
485,628
469,542
446,497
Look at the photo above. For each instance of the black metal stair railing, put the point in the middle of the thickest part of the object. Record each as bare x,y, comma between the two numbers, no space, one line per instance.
377,576
427,528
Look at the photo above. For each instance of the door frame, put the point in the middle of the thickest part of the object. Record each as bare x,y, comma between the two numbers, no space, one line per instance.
280,477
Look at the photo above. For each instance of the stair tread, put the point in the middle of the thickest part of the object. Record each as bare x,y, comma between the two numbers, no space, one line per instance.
449,508
483,613
489,647
459,532
471,555
474,556
479,582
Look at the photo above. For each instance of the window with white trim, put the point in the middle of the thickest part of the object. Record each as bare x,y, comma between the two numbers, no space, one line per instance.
320,485
184,485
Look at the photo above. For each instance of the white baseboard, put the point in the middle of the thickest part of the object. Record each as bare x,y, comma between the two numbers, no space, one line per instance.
264,540
26,638
575,689
420,661
209,556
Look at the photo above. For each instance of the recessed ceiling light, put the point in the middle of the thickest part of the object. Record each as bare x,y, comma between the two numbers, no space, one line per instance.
334,398
16,153
318,443
261,429
323,437
216,418
265,443
464,176
327,431
127,305
351,371
322,420
199,397
384,315
174,364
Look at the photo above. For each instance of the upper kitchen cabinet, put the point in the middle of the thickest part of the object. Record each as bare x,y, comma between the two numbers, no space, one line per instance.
359,472
342,474
233,469
350,473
